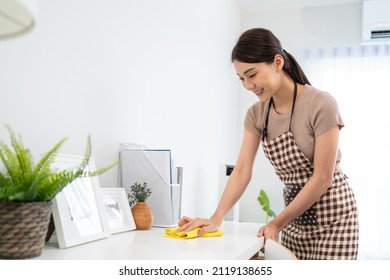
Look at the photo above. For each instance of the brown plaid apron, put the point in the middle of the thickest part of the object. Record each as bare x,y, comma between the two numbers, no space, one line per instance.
327,230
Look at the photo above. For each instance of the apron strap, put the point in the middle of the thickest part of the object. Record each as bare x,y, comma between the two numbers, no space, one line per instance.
293,105
266,120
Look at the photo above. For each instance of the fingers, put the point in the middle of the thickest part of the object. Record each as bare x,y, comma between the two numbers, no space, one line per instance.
209,228
269,232
184,220
187,224
196,223
260,233
202,231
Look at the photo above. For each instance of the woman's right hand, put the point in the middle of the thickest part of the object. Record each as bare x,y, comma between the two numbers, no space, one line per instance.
206,225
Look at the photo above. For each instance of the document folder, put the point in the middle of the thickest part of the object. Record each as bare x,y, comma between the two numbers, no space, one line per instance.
155,168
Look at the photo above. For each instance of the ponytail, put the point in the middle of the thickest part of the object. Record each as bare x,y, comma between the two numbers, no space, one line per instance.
293,69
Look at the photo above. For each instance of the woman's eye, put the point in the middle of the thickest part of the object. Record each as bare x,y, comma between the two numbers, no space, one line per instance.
252,76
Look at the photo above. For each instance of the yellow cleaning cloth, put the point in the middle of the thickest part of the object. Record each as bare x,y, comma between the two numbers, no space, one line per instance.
171,232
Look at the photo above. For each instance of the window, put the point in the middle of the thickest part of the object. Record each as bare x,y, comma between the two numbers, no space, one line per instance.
359,78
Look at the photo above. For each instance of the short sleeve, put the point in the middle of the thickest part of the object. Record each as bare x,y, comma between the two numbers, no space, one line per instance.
326,114
252,119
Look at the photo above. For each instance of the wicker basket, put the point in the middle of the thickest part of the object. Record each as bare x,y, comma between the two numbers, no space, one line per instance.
23,228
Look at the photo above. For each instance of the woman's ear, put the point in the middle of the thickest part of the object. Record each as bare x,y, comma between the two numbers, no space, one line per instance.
278,62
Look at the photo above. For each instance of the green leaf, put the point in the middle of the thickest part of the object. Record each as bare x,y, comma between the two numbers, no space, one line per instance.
265,204
263,198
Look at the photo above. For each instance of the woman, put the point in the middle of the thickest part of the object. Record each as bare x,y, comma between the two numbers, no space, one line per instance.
298,127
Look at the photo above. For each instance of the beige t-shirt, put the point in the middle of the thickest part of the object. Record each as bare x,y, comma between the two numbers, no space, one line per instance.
315,112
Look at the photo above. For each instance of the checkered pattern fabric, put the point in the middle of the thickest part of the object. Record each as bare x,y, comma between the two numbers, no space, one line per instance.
329,229
286,158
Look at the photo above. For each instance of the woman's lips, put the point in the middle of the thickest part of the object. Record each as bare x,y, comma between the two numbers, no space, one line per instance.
258,92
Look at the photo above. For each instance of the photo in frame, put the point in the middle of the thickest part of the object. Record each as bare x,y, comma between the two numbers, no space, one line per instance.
78,212
117,209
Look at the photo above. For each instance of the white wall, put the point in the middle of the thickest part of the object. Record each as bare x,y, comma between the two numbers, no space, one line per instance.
151,72
310,27
297,29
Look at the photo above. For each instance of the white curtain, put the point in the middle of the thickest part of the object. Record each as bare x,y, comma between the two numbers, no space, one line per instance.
359,78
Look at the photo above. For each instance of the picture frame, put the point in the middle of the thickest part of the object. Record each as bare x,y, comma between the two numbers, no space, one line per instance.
78,209
117,209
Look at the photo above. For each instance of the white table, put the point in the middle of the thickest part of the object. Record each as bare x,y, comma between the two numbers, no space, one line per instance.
239,241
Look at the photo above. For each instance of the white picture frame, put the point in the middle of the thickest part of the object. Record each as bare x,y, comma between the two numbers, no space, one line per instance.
117,209
78,209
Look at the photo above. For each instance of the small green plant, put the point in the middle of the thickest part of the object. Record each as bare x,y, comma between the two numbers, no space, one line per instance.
23,181
265,204
139,193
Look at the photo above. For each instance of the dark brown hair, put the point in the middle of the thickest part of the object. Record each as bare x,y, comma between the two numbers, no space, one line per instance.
261,45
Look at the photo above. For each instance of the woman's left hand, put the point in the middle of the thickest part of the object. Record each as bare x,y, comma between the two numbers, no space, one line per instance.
269,231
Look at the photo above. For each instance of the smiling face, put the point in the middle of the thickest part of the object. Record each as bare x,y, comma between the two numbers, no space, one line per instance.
263,79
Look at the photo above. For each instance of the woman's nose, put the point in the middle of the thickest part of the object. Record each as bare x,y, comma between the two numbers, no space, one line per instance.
248,85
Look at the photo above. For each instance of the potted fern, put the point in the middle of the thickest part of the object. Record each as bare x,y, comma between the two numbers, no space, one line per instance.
26,193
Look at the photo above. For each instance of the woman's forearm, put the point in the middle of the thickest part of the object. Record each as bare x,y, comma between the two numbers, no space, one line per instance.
235,187
310,194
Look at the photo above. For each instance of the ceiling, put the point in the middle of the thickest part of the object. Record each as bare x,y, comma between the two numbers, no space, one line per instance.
258,5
